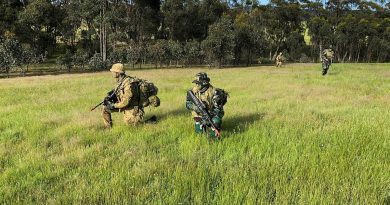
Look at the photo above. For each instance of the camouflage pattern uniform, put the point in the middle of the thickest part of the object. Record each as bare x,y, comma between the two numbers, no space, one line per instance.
206,93
279,60
127,93
326,58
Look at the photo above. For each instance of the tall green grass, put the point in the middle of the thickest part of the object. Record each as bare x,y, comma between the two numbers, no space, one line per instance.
291,136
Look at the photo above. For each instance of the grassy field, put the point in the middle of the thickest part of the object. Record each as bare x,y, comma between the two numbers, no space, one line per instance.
291,136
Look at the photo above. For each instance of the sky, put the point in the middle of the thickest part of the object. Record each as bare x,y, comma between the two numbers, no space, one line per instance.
263,1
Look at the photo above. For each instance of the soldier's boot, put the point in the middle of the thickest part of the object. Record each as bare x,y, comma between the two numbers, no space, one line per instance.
324,69
107,117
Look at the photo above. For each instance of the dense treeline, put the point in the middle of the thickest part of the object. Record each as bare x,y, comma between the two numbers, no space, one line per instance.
187,32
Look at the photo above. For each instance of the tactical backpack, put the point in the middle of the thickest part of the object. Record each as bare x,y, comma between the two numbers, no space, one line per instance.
148,93
220,97
328,53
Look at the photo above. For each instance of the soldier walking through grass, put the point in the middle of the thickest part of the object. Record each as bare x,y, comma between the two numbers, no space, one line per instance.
326,58
279,60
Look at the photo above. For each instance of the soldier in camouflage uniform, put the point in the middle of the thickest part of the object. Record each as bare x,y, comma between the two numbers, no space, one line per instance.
211,98
127,93
326,58
279,60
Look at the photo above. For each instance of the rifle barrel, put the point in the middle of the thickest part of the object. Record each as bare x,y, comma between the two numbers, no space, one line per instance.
97,106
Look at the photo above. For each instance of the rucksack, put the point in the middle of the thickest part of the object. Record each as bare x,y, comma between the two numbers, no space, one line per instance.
220,97
328,53
148,93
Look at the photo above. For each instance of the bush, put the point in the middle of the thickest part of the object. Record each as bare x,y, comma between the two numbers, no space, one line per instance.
80,58
192,53
65,61
304,58
219,44
97,63
266,61
118,56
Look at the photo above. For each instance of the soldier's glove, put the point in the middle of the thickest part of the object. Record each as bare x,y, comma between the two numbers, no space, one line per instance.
110,105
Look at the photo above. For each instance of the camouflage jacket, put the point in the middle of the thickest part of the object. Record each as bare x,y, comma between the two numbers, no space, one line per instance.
327,54
279,58
207,98
127,93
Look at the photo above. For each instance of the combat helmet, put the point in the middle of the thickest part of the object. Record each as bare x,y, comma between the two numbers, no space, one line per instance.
201,79
117,68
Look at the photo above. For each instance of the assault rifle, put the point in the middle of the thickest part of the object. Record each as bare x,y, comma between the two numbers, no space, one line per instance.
203,111
111,97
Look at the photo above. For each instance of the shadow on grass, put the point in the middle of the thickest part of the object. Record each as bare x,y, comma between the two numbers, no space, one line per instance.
235,125
163,116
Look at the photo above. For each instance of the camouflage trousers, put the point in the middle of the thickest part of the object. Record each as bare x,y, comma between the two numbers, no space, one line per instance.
131,116
279,63
325,66
201,127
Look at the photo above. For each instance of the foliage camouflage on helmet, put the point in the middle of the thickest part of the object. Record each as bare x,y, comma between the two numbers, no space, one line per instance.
201,79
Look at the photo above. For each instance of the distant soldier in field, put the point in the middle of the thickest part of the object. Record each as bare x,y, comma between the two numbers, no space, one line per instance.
206,104
279,60
127,100
326,58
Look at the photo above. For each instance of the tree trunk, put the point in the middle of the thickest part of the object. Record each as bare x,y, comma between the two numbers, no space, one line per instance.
103,31
90,45
275,54
248,63
358,53
350,57
22,71
345,55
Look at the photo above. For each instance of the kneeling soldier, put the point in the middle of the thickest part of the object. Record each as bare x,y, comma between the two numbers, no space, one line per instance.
127,98
206,104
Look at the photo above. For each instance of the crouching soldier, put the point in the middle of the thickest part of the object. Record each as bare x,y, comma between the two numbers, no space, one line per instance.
124,98
206,104
326,58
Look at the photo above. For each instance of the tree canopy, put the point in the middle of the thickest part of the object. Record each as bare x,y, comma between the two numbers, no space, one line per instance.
199,31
